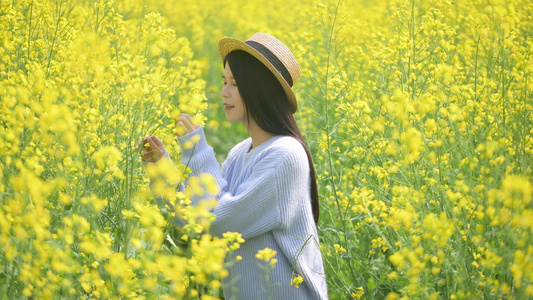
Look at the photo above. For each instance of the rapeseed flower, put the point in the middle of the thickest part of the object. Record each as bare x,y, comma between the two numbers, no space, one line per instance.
265,254
296,281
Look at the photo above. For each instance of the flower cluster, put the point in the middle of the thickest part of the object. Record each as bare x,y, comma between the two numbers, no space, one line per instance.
422,142
80,84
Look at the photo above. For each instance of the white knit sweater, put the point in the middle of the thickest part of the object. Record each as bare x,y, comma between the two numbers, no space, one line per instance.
265,197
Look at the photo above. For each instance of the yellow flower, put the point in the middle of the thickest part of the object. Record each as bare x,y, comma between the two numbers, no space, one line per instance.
360,292
393,275
296,281
339,249
265,254
273,262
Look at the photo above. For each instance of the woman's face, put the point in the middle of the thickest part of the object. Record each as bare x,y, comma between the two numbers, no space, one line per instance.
233,104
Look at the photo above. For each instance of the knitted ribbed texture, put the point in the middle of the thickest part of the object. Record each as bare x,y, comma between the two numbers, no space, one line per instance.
265,197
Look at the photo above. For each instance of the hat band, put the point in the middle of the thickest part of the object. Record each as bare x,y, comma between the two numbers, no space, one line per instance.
273,59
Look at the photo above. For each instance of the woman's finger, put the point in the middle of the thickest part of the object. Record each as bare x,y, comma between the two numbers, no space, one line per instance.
189,123
147,154
188,118
181,129
185,121
152,149
153,140
141,143
185,124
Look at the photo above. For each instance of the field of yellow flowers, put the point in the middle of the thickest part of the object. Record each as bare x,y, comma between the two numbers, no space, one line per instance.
418,115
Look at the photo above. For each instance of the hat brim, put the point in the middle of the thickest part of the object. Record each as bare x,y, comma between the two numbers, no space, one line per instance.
226,45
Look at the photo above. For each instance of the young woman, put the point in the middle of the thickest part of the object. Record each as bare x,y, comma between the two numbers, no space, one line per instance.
268,186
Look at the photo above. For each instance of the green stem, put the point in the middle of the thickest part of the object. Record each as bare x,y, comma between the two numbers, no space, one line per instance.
412,57
329,47
29,30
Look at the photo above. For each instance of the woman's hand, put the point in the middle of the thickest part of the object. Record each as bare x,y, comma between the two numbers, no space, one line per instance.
152,149
185,125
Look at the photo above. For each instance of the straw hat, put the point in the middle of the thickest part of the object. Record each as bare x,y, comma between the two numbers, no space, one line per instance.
273,54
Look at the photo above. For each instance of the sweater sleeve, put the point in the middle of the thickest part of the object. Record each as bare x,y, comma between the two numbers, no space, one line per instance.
200,158
253,208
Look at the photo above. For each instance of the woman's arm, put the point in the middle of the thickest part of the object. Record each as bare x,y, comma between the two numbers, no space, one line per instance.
254,207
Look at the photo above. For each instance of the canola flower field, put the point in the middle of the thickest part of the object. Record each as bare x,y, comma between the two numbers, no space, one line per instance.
418,115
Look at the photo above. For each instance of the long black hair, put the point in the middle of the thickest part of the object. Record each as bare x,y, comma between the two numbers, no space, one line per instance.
267,104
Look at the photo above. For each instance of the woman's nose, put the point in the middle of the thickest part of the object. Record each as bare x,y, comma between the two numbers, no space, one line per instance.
223,92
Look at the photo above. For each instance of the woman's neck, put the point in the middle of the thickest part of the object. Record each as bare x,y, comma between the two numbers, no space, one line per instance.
257,134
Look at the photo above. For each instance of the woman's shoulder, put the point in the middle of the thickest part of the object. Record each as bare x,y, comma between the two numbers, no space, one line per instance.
278,148
279,144
242,146
285,148
286,144
288,157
